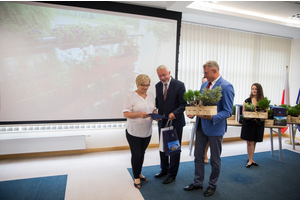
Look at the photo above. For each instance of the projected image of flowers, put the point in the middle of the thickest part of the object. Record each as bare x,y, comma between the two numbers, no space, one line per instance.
69,64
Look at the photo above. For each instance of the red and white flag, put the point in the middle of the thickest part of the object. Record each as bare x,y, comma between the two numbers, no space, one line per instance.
286,94
286,90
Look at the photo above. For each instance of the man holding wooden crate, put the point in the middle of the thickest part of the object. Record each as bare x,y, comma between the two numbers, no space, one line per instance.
211,128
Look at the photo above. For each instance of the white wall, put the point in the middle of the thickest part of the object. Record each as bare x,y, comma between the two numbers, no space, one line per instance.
96,138
107,137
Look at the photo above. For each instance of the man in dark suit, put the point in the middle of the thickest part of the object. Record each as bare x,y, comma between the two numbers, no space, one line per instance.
170,103
211,129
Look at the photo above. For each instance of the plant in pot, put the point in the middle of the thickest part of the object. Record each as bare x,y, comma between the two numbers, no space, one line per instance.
263,105
189,96
259,110
294,113
233,113
270,120
204,103
249,107
270,114
210,97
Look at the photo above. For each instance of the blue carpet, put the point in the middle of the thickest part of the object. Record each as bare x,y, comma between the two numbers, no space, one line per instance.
270,180
42,188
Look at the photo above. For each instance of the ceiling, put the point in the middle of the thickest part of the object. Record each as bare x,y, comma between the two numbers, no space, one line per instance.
272,22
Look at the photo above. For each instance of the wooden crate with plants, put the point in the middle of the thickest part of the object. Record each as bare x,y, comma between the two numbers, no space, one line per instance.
233,113
270,120
204,103
293,113
258,111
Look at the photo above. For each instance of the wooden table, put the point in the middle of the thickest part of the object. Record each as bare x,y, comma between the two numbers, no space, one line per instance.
235,123
294,130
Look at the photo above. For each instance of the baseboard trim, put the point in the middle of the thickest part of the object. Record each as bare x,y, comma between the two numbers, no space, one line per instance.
91,150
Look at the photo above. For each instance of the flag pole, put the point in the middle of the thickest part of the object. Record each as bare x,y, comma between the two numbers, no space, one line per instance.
290,140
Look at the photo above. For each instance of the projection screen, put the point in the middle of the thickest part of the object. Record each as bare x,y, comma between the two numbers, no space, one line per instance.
65,63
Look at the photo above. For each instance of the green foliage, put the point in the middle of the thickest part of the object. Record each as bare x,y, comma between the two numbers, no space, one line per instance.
249,107
87,35
233,109
263,104
189,96
297,106
283,121
161,31
294,112
210,97
270,114
207,98
19,19
197,94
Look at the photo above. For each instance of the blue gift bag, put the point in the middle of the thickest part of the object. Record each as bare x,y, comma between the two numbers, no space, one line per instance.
171,142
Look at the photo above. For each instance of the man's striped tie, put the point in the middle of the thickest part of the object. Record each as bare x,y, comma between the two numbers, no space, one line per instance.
165,91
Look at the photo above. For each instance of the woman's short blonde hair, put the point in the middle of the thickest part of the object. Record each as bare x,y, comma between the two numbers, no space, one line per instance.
142,78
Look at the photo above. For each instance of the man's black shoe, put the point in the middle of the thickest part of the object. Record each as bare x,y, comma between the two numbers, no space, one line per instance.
160,174
209,191
168,180
192,187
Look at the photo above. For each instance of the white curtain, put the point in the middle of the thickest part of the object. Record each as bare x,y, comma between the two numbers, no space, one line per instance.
244,58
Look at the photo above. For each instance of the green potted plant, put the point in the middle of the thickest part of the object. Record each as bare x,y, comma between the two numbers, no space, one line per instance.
204,103
259,110
293,114
263,105
249,107
270,114
189,96
233,113
270,120
210,97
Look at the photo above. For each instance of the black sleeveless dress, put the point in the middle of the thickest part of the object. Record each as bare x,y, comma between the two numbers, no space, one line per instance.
252,129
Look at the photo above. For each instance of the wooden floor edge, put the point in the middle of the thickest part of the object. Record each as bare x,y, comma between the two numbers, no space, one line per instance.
117,148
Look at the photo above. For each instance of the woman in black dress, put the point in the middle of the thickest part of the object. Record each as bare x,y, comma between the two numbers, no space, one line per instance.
253,129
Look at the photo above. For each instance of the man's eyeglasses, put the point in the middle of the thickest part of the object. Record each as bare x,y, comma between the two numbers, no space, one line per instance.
145,85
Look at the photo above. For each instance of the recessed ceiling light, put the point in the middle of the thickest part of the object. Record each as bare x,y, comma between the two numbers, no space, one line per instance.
295,17
212,7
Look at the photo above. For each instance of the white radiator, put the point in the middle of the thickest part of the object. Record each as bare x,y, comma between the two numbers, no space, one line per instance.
41,144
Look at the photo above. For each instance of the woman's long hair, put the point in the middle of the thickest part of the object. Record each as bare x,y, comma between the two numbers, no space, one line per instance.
260,92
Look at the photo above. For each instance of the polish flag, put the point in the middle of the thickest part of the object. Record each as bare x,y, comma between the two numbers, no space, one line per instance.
298,101
298,97
286,93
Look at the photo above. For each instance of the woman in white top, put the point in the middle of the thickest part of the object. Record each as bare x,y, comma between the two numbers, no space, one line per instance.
137,106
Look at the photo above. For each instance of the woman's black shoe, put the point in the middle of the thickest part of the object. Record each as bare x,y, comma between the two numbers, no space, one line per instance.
144,179
253,163
249,165
137,185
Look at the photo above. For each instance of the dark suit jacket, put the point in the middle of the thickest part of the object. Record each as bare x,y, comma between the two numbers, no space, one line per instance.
174,102
218,126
